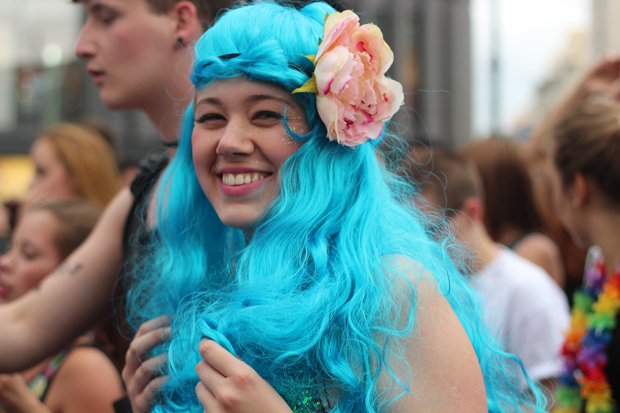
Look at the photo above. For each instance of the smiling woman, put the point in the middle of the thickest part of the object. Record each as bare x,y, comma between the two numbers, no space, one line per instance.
297,279
239,144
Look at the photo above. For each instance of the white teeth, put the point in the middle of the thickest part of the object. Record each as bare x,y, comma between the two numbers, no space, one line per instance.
241,179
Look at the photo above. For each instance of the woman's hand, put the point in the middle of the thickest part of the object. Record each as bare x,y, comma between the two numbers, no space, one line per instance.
15,396
228,385
140,375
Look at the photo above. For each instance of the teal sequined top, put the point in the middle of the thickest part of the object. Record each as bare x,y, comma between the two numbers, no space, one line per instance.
306,400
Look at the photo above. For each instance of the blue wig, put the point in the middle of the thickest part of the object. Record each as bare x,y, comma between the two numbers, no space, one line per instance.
324,294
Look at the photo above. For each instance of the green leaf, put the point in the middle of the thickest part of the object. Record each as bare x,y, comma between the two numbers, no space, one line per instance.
308,87
310,57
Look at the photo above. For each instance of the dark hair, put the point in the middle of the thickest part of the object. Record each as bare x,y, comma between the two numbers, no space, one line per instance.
588,142
207,10
446,173
507,185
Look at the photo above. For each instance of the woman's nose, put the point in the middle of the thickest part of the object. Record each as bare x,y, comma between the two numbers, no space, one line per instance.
236,140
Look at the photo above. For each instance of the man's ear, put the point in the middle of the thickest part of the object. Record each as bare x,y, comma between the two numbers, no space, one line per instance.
473,208
186,26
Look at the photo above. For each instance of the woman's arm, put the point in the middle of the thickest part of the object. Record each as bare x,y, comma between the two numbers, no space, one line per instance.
86,381
70,300
542,251
446,373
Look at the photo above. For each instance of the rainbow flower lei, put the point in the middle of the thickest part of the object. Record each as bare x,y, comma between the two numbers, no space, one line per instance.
584,351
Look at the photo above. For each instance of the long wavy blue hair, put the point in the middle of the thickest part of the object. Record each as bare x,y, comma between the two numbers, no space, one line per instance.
324,294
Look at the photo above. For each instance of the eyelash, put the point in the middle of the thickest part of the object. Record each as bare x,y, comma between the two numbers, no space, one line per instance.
106,17
213,116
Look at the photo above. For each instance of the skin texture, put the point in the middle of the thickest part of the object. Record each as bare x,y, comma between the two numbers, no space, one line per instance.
51,180
238,130
87,380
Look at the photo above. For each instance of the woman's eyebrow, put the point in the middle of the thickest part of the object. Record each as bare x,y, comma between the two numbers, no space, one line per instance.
250,99
257,98
209,100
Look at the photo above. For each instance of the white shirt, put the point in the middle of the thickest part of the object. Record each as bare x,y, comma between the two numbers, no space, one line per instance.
527,310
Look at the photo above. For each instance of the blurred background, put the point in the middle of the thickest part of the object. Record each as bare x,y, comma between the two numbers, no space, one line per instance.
470,69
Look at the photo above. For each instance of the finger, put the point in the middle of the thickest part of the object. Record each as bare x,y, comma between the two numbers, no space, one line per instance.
140,346
218,357
144,400
153,324
210,377
144,374
206,398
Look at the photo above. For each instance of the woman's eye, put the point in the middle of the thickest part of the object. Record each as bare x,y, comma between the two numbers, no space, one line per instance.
28,255
267,115
209,117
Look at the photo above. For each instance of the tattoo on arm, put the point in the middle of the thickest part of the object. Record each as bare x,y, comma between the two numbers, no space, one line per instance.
64,268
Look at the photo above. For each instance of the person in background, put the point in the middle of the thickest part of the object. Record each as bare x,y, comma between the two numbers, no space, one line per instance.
523,304
599,81
73,161
582,165
511,214
79,378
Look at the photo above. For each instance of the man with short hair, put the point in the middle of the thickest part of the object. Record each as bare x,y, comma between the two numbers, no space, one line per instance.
523,304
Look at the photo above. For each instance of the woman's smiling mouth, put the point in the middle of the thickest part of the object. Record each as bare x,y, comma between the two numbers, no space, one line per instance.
242,178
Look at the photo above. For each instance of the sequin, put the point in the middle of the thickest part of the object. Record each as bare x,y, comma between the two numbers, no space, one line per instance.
303,399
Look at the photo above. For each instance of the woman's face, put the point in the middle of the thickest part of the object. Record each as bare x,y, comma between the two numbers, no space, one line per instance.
239,145
570,216
32,256
52,180
127,48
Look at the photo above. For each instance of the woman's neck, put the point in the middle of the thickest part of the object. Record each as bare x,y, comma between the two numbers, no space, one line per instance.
605,228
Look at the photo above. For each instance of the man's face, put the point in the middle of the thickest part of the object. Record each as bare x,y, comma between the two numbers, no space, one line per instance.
128,49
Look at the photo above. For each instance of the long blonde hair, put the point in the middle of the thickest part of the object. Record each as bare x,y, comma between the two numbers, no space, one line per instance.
88,158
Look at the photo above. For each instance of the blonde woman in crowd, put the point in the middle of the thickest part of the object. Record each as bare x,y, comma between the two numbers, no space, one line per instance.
73,161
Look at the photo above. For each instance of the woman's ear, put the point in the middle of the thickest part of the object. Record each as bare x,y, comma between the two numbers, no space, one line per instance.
582,190
185,21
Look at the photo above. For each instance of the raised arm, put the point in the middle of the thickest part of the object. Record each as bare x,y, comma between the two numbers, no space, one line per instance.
70,300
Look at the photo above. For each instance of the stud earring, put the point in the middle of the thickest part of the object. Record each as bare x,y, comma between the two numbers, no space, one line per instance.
180,41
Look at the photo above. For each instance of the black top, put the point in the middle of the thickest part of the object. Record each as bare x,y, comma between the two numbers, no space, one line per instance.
135,236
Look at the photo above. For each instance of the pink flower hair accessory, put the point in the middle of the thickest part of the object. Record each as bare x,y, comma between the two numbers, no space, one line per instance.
354,97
